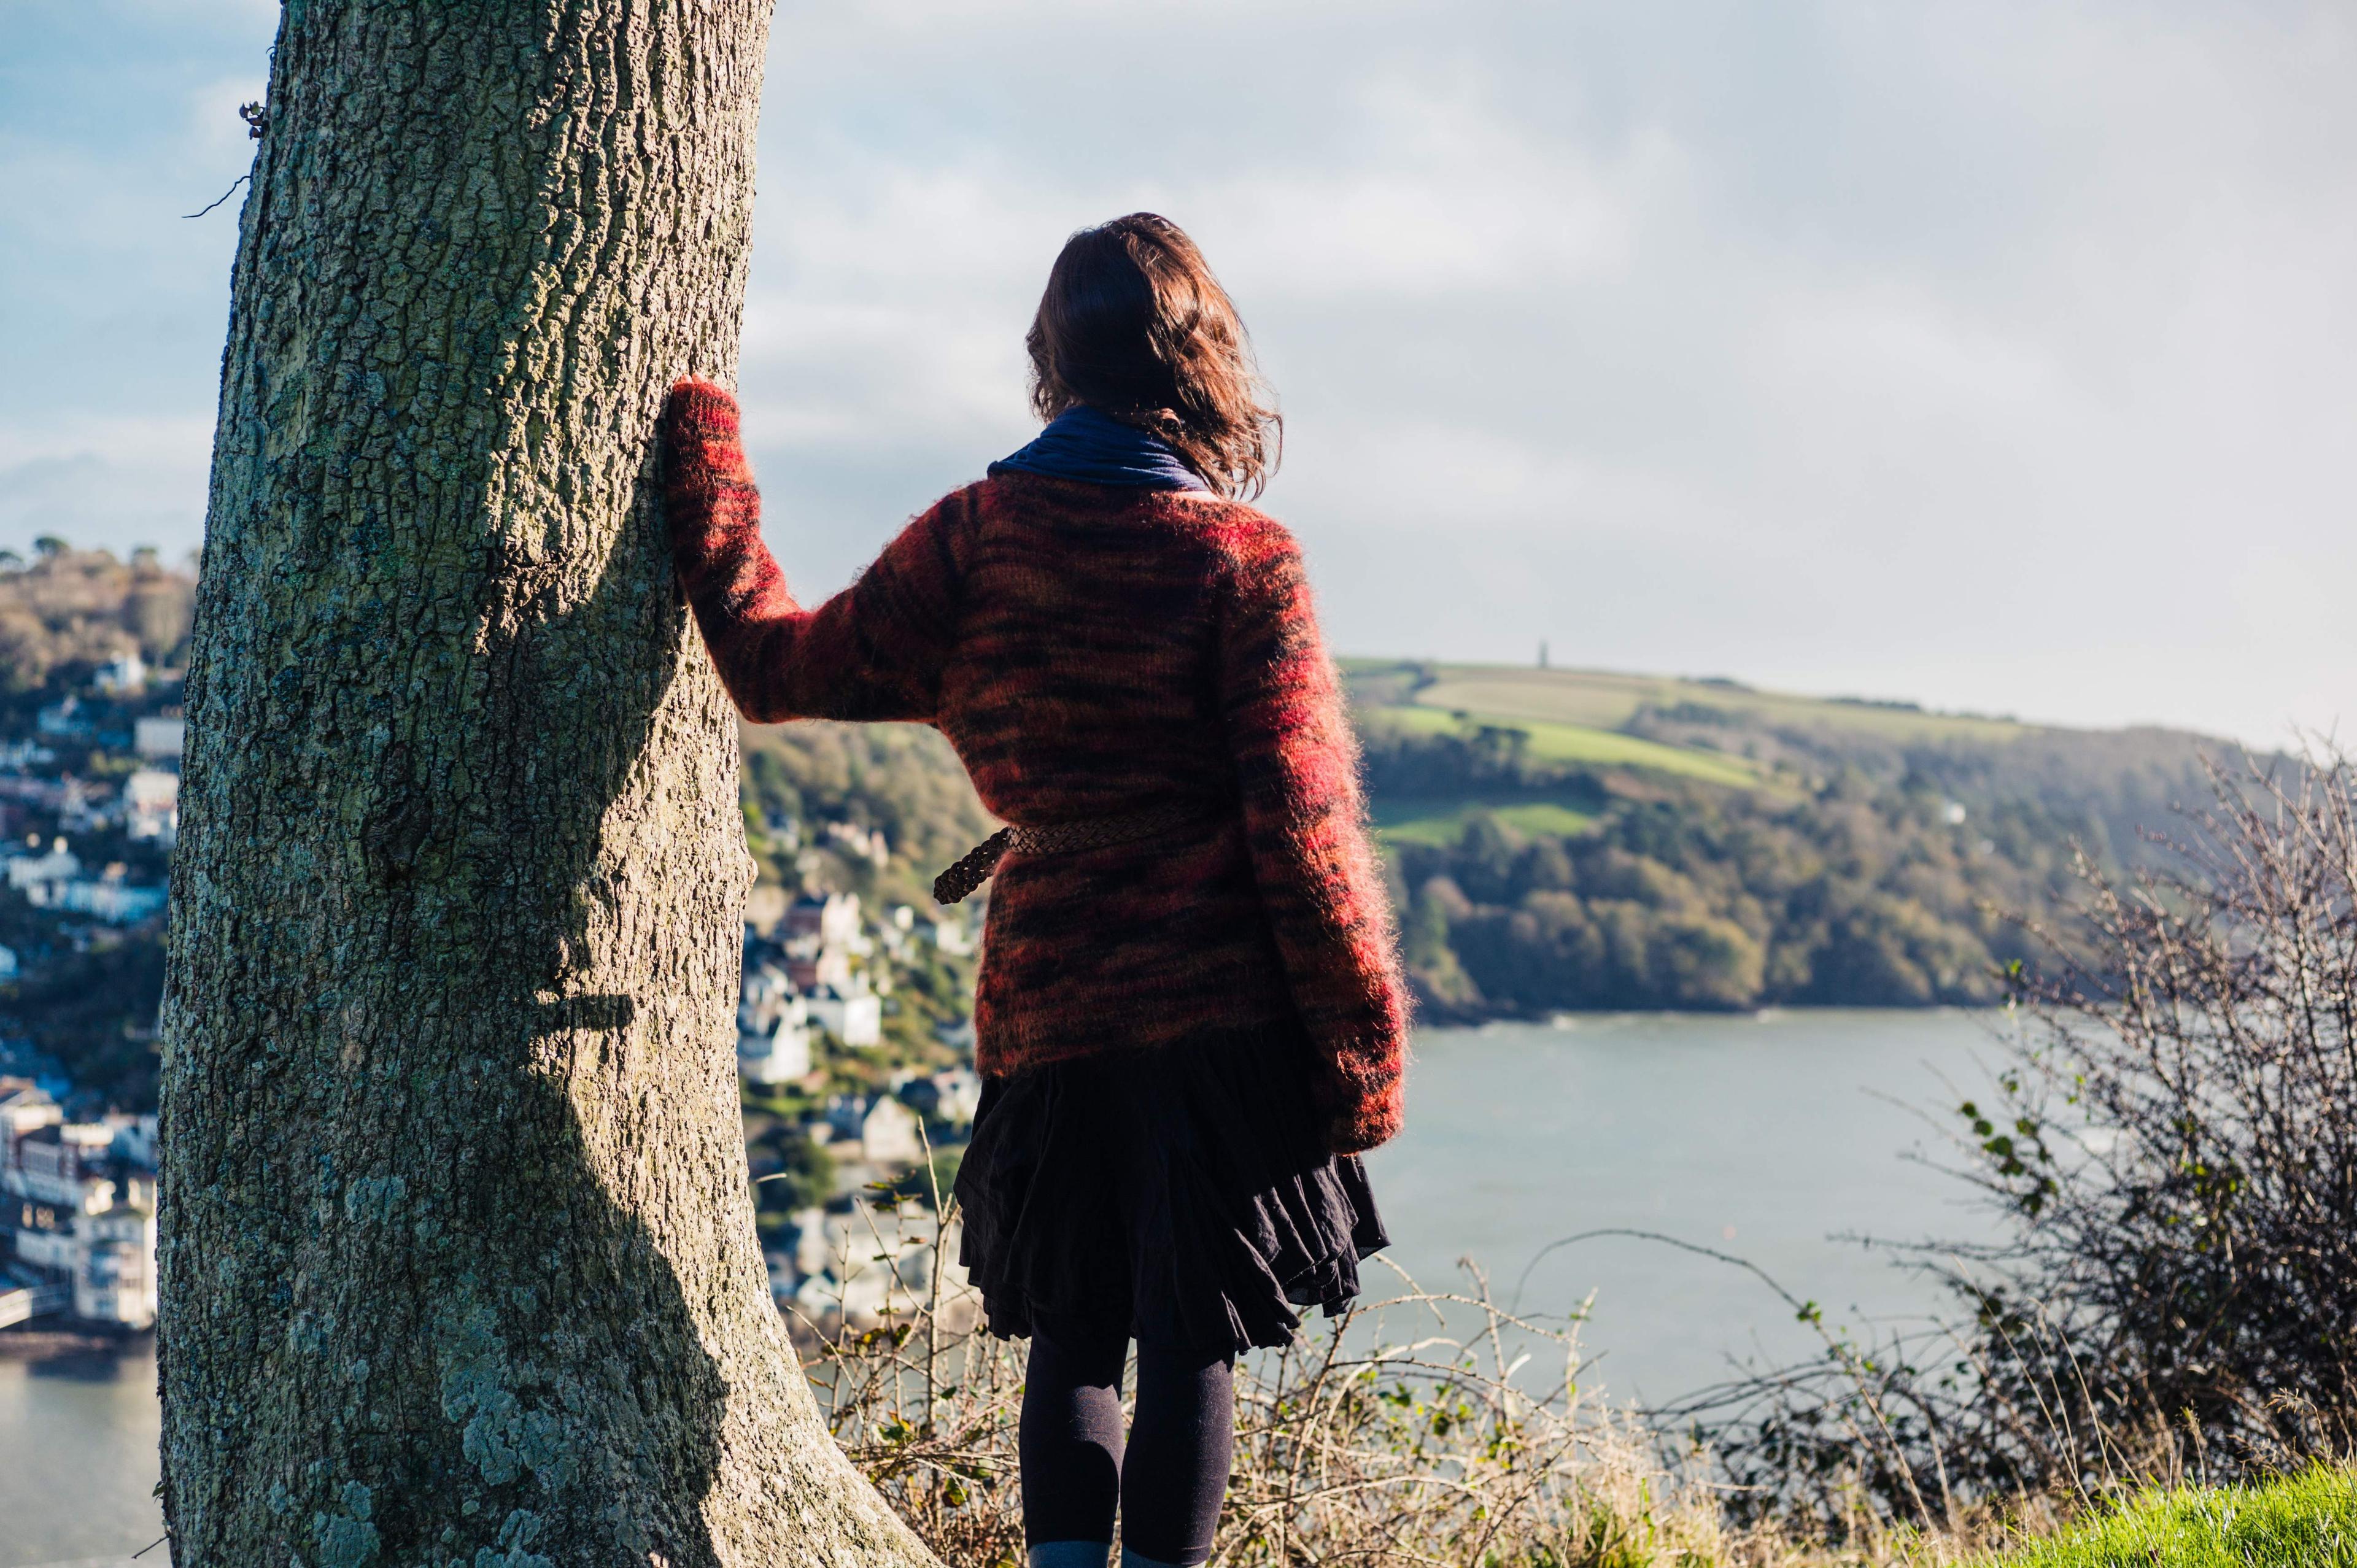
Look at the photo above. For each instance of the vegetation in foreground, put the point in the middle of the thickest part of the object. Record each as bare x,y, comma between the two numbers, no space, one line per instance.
2173,1149
2306,1521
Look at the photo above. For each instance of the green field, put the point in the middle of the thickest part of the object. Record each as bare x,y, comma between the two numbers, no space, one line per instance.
1440,823
1556,742
1605,700
1581,716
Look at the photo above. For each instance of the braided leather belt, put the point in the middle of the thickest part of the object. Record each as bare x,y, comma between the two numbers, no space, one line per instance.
974,867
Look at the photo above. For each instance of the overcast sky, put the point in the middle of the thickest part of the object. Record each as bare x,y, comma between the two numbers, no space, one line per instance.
1996,356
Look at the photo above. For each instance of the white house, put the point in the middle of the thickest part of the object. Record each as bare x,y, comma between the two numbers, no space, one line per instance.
857,1020
59,865
23,1105
114,1266
762,998
134,1138
779,1054
817,924
69,1215
159,739
125,675
829,969
867,845
888,1134
852,1265
953,1095
63,1164
107,898
151,805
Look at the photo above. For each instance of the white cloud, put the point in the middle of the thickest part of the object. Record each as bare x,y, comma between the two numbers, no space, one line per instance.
1994,356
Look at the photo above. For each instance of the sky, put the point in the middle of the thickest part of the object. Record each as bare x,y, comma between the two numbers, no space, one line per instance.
1999,356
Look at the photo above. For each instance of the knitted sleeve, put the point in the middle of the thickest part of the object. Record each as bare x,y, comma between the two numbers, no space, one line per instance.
1297,766
873,652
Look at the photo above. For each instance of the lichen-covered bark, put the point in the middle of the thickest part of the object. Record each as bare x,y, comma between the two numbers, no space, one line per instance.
458,1257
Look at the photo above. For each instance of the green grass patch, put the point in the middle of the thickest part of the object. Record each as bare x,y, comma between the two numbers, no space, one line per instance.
1552,741
1605,700
1441,824
2308,1519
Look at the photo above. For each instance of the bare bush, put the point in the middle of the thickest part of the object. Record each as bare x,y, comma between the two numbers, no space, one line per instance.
2174,1145
1391,1435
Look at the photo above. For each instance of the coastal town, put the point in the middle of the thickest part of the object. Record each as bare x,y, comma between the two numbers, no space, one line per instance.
853,1044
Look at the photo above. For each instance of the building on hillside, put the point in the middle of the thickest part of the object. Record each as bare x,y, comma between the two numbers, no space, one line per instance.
134,1138
762,997
865,844
125,675
855,1018
108,896
23,1105
811,1249
953,937
819,921
63,719
888,1134
852,1266
83,806
953,1096
114,1266
28,869
151,805
15,756
77,1203
839,1122
10,965
826,970
69,1165
780,1053
878,1128
159,740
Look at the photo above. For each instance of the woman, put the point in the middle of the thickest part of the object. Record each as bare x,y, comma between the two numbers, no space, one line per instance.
1190,1019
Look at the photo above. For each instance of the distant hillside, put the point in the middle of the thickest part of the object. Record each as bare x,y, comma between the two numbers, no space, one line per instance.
1575,839
68,610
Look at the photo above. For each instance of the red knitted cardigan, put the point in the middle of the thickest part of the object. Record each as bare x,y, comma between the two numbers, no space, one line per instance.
1091,650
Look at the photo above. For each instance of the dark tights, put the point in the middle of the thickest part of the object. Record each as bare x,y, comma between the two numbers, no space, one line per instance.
1170,1484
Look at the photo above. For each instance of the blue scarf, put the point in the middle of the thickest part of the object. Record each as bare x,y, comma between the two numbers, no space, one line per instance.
1083,443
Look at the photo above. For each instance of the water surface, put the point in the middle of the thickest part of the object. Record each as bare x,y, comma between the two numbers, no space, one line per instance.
1768,1137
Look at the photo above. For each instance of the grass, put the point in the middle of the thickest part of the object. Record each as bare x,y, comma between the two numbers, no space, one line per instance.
1442,824
1605,700
1555,741
2309,1520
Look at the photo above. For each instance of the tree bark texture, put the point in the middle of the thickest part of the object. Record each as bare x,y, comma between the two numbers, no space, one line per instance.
458,1259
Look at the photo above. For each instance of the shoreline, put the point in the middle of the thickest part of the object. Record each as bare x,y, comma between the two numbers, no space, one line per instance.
44,1343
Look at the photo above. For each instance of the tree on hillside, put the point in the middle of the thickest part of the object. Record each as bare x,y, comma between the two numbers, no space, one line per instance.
458,1257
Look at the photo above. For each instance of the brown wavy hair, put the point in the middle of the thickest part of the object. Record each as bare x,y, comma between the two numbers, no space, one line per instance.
1134,325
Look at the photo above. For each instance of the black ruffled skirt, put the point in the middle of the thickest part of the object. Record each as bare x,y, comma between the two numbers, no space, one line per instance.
1180,1195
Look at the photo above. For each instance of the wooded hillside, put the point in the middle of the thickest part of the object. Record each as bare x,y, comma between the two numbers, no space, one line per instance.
1570,840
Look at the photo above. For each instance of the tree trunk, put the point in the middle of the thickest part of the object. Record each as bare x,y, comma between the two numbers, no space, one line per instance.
458,1257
